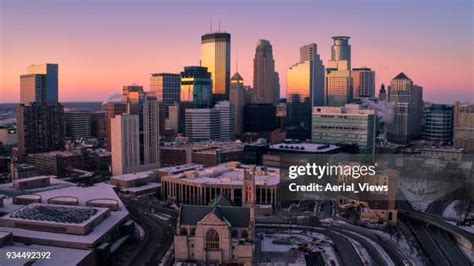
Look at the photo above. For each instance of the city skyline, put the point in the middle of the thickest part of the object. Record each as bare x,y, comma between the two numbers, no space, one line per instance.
99,55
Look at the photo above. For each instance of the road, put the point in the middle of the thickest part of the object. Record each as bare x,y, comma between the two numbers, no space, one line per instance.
158,235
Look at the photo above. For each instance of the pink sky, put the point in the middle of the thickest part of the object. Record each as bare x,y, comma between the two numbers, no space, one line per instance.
100,47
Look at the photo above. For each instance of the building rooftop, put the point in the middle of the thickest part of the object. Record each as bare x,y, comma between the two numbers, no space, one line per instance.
134,176
305,147
222,207
60,214
231,173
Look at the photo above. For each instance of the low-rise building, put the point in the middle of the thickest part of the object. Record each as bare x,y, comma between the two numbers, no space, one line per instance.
137,183
208,153
201,186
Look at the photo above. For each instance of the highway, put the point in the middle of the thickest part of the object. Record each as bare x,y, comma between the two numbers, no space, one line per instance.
158,235
434,234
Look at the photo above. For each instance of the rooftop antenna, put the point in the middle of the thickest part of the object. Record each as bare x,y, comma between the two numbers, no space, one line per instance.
219,26
211,27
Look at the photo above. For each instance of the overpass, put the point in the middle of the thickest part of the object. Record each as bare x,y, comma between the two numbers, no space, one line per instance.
463,237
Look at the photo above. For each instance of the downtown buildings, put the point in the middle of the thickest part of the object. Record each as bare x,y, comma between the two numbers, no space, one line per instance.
210,123
408,100
135,134
40,118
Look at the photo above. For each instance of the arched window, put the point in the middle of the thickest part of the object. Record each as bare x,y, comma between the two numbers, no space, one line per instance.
212,239
234,233
245,234
193,231
183,231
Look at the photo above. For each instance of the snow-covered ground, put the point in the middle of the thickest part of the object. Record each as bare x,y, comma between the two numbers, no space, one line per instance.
420,193
292,239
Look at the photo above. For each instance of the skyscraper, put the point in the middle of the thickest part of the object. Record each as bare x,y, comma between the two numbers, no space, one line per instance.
437,122
226,119
363,82
305,88
338,74
237,99
40,118
111,110
135,134
196,86
265,79
408,99
202,124
40,84
340,53
215,55
166,87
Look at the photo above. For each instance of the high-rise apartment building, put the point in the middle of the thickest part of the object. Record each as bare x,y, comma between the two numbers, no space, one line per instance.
125,143
463,127
135,134
40,128
339,90
196,86
408,100
347,124
111,110
305,88
237,99
265,79
166,87
40,118
363,82
437,123
215,55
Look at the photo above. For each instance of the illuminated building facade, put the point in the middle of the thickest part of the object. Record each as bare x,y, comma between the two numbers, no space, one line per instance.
363,82
215,55
196,86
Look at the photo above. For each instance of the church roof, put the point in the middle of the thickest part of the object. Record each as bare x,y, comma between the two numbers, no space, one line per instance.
237,76
222,207
401,76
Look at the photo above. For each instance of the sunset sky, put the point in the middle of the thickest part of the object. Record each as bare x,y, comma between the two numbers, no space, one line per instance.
101,45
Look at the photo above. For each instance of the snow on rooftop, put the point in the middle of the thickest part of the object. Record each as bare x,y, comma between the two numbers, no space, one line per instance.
84,194
223,174
133,176
304,147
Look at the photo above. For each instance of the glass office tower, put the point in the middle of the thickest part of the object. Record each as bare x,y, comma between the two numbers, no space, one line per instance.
215,55
196,86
